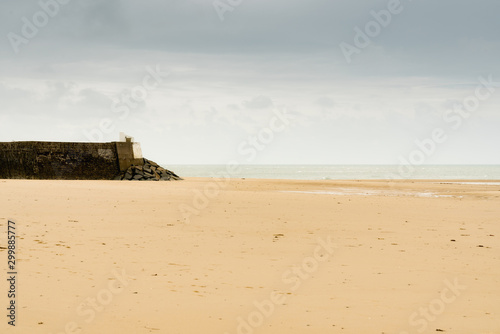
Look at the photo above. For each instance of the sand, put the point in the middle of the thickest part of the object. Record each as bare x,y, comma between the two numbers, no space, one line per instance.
253,256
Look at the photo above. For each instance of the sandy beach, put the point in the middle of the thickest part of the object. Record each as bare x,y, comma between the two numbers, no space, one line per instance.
253,256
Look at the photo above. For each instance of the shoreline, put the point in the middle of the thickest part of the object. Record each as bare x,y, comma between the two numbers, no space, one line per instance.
200,178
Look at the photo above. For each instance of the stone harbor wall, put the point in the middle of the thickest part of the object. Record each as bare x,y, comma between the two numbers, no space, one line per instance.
78,161
52,160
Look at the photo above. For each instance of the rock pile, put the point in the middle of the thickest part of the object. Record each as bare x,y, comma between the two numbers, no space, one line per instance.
149,171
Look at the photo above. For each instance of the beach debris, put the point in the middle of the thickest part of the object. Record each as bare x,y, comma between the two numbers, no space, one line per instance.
149,171
277,236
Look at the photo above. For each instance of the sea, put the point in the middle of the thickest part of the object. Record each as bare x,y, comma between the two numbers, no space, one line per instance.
341,172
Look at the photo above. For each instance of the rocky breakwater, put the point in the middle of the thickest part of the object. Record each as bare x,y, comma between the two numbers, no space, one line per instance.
149,171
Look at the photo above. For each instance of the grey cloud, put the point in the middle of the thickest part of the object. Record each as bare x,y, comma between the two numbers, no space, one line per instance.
233,106
325,102
259,102
228,74
448,38
55,100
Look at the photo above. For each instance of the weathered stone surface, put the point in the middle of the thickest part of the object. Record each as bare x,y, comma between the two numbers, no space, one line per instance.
58,160
149,171
152,163
73,161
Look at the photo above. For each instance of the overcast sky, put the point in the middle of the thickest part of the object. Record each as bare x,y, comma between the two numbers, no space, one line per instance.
358,81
